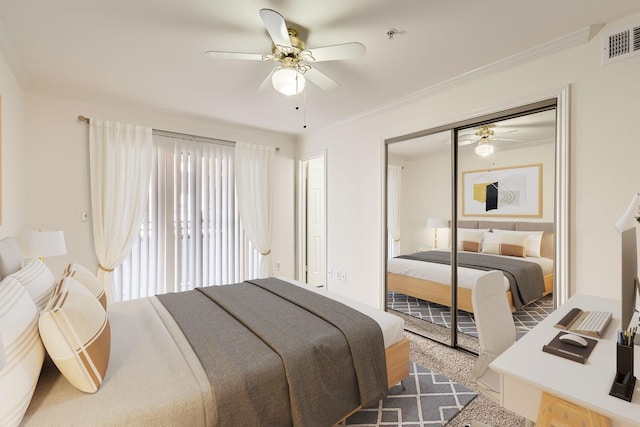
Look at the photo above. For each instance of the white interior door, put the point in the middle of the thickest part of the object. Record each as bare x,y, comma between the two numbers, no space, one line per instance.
315,222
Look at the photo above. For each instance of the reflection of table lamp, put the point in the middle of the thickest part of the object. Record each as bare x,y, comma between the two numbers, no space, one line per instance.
436,223
41,244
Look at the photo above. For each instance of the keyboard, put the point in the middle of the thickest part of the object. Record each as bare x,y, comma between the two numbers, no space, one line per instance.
585,322
594,321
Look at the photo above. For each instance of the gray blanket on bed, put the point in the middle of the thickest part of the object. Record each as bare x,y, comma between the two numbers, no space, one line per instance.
526,280
277,354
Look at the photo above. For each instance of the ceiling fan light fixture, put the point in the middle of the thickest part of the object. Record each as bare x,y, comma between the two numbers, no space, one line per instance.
288,81
484,149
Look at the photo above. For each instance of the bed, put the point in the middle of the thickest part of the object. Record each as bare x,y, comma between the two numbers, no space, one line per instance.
410,275
157,374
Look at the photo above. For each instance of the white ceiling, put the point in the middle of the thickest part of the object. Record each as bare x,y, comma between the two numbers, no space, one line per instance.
151,52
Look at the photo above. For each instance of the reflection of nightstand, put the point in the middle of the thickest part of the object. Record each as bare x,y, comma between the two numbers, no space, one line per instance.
424,248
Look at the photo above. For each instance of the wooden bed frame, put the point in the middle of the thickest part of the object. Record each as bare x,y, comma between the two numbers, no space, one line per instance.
397,362
440,293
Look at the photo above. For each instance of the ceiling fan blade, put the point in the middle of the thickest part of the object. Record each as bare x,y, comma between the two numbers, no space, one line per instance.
236,55
320,79
276,27
335,52
497,138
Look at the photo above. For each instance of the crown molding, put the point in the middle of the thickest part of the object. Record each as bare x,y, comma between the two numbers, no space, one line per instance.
571,40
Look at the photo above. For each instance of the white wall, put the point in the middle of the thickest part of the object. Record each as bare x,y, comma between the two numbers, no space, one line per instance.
12,138
57,170
604,161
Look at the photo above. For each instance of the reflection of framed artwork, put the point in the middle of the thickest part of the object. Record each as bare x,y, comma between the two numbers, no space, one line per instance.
513,191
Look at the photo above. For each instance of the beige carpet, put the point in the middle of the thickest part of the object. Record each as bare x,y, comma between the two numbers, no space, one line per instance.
457,366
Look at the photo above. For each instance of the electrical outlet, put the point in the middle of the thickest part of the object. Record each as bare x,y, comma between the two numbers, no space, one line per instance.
338,274
277,265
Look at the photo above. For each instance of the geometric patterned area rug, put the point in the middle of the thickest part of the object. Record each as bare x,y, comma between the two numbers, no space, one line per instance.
428,399
525,318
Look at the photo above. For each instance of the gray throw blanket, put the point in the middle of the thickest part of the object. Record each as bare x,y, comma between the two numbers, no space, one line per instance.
272,362
525,278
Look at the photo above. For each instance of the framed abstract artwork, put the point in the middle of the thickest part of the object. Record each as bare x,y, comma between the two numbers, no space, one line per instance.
512,191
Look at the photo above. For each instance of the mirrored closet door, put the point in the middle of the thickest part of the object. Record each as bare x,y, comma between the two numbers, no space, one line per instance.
419,212
478,195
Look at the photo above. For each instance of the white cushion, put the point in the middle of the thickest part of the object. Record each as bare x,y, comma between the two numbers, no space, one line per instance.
38,280
76,333
470,239
24,353
87,278
504,244
533,242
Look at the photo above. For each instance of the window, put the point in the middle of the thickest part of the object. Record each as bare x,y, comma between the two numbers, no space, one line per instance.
191,234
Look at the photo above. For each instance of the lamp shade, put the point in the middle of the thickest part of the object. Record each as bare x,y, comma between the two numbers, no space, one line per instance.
41,244
484,149
288,81
437,223
630,216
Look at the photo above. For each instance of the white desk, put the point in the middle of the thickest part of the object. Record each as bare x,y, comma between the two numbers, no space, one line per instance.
527,370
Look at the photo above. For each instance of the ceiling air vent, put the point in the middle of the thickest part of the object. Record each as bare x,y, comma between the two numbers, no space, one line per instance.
622,45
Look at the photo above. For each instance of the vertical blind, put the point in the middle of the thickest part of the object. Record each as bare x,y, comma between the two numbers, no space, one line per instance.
191,234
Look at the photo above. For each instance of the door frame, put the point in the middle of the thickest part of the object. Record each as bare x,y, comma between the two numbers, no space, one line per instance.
301,208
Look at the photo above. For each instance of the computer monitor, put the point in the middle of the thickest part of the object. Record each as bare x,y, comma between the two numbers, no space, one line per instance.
630,284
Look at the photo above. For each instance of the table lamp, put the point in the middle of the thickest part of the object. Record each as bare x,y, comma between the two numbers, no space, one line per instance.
41,244
436,223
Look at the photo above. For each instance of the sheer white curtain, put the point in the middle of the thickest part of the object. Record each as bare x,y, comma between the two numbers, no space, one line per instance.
191,234
120,163
253,188
394,186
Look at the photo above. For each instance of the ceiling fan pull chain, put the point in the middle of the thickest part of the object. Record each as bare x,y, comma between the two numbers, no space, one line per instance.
304,110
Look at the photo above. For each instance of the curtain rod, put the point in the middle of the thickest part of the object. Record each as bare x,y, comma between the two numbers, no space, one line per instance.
169,133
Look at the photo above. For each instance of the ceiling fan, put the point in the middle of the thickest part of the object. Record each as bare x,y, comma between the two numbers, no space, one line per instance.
295,59
482,136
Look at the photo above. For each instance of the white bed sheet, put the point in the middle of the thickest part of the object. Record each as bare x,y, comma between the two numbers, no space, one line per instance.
391,325
441,273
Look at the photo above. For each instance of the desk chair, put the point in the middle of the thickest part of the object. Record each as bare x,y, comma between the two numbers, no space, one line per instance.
496,330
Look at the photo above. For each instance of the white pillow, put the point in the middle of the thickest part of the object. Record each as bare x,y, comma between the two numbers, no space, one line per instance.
533,242
38,280
504,244
24,352
75,331
470,239
87,278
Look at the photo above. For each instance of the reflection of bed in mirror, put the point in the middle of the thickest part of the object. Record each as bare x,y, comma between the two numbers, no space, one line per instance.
426,276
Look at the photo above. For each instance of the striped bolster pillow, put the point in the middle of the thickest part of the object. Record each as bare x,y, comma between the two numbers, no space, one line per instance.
24,353
76,333
38,280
